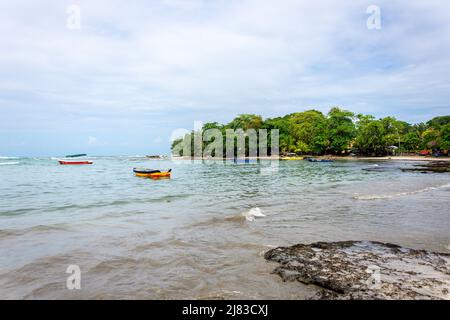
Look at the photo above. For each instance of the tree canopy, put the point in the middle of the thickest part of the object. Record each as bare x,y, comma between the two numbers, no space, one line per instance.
340,132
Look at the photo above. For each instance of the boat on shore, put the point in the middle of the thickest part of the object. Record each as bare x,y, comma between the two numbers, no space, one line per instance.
69,162
152,173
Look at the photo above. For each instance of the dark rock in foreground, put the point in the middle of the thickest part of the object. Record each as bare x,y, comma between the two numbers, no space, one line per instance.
365,270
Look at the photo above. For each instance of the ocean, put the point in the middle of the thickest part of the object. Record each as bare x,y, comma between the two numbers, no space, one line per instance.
201,234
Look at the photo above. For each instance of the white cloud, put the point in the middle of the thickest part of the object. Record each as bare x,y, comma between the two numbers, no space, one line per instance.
153,66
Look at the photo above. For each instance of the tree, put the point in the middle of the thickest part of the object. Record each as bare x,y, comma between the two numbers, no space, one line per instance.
246,121
445,137
393,131
176,143
286,142
309,131
431,139
313,132
411,141
369,138
212,125
438,122
340,129
437,136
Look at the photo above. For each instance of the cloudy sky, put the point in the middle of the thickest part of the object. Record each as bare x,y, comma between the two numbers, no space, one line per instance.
137,70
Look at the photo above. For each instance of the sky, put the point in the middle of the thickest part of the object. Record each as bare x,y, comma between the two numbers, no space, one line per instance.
130,73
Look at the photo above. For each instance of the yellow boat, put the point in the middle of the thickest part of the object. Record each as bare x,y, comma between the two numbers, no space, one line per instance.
151,173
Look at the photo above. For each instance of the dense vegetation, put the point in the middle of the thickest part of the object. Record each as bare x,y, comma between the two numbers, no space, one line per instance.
342,132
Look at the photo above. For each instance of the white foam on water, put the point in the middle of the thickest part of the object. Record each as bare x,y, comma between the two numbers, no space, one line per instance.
400,194
8,158
251,214
8,163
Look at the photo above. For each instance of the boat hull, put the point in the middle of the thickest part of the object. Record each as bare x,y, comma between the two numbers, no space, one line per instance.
66,163
155,175
151,173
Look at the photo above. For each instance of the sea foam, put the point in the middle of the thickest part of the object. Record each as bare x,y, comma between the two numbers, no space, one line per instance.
400,194
251,214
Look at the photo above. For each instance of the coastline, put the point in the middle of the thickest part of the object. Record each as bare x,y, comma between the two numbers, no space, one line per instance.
336,158
393,158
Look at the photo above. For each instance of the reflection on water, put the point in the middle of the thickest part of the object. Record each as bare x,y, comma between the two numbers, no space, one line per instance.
202,233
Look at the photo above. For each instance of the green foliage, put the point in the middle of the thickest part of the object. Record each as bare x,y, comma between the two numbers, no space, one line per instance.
445,137
212,125
438,122
177,152
341,130
282,124
370,137
431,138
338,132
411,141
246,121
309,131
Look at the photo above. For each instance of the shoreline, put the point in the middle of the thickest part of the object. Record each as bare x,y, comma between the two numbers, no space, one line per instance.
336,158
394,158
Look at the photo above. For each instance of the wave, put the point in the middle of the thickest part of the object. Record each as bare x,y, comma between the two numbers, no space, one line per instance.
5,233
111,203
8,163
249,215
8,158
252,214
400,194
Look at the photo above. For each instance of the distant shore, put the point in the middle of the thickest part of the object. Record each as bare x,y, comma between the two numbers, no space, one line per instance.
337,158
395,158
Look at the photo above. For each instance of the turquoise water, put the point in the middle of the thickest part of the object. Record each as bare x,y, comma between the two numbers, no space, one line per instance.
195,235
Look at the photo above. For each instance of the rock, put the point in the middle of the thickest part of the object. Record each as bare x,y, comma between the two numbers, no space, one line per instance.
432,166
365,270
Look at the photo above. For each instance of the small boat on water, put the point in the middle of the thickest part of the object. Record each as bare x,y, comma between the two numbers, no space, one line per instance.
69,162
311,159
151,173
244,160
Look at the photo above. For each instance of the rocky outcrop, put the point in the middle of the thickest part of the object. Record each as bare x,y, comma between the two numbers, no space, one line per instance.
432,166
365,270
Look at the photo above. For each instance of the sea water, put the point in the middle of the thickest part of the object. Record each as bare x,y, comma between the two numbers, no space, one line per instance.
202,233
